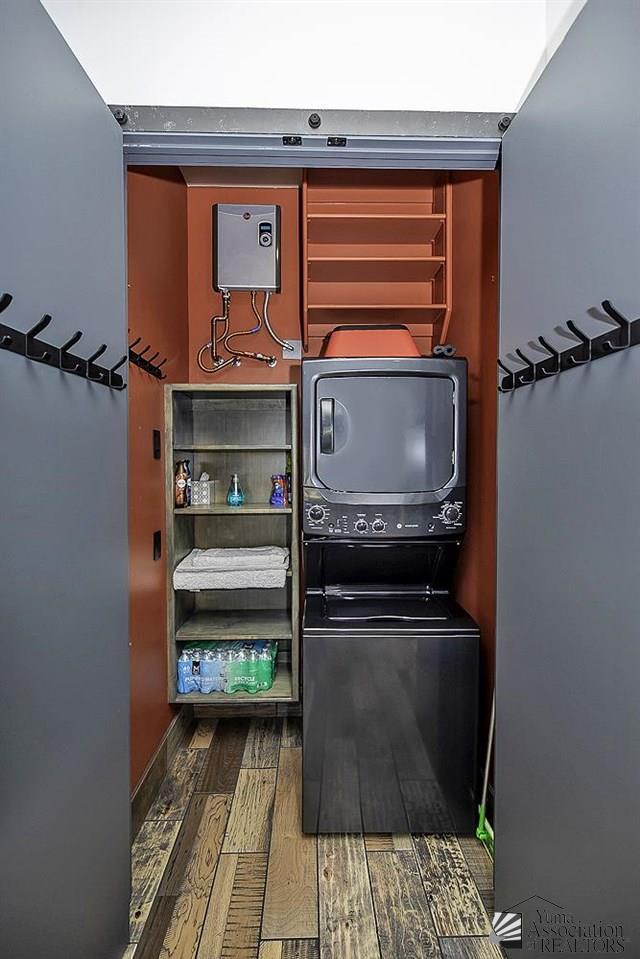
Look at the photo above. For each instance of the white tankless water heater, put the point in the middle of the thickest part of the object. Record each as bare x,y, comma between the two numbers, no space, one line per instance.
246,247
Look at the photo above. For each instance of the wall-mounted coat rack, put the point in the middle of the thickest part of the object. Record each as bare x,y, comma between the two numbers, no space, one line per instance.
583,349
147,363
33,348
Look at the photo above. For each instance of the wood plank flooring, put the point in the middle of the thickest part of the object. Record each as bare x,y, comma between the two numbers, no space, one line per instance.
221,869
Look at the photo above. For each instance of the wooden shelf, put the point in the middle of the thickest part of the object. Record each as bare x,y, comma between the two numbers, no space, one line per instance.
376,259
234,624
374,215
382,228
427,307
281,691
378,272
218,447
420,329
221,509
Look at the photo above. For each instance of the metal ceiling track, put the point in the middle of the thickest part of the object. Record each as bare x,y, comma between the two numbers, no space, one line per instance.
378,139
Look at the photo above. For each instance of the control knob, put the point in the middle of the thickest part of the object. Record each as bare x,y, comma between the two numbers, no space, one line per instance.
378,526
316,514
451,514
361,526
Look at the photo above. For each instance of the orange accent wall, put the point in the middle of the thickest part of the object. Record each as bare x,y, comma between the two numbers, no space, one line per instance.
204,302
157,272
474,331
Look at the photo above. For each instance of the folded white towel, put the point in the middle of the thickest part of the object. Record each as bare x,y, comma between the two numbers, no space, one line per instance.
258,567
197,579
256,557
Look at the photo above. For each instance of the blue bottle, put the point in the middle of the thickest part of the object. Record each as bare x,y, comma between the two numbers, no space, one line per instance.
235,495
278,493
188,673
211,680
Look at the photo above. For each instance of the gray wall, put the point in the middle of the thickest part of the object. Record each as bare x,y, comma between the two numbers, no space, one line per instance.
63,590
568,650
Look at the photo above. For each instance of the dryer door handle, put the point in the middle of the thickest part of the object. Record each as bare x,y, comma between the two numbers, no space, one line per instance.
326,425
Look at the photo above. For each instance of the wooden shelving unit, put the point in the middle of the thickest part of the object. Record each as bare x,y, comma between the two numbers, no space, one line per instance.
214,447
249,430
280,692
221,509
235,624
377,249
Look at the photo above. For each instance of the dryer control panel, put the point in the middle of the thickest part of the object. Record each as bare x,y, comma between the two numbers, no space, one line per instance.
436,519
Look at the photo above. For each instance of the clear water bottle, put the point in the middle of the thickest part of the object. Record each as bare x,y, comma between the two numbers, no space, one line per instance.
187,675
207,672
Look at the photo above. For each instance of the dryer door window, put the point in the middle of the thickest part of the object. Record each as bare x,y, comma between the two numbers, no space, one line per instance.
384,434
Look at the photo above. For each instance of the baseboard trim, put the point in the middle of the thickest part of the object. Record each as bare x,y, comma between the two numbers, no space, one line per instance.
177,735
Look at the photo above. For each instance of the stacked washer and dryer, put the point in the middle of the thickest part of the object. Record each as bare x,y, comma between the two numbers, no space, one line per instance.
390,661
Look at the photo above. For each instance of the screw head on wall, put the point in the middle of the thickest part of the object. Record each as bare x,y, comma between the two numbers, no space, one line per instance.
504,123
121,117
314,120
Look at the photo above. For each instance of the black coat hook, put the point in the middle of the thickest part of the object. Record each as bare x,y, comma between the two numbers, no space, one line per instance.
5,301
501,386
115,367
530,366
75,364
542,370
101,373
625,329
30,335
584,339
144,362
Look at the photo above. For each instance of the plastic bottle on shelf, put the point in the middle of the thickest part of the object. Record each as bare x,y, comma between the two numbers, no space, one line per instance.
279,490
288,480
211,672
235,494
221,661
188,672
187,466
180,485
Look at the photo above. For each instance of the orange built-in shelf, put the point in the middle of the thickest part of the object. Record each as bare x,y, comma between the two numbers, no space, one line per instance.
377,259
432,222
431,307
376,249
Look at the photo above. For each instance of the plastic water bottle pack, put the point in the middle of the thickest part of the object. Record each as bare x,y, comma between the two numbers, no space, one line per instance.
228,667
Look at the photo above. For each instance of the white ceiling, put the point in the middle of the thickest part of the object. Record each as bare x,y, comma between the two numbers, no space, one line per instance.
476,55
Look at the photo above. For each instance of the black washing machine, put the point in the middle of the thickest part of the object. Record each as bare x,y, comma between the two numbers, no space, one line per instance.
390,661
390,692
